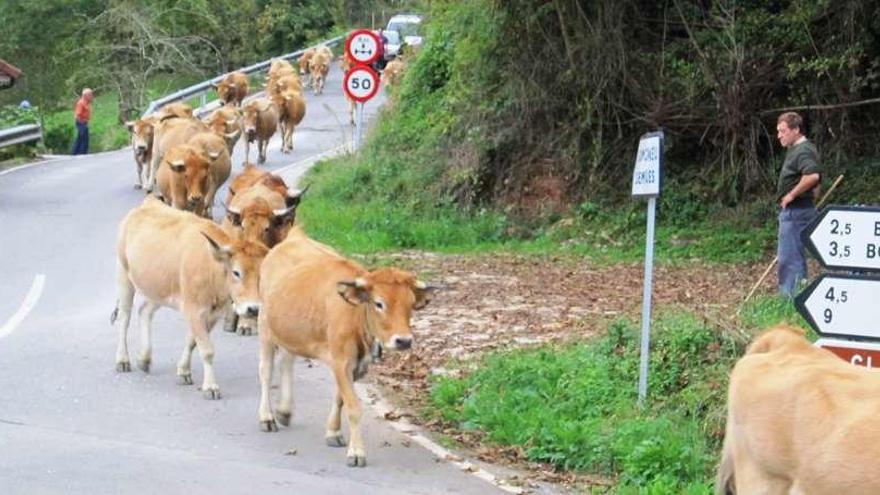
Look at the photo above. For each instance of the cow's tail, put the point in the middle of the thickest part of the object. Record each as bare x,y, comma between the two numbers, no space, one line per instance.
724,482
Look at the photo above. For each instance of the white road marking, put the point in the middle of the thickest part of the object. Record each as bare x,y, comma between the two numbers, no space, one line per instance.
26,306
371,396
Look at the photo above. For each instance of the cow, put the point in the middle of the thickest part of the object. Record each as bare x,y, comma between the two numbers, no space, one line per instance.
226,122
304,65
260,121
142,142
292,109
393,73
219,164
799,421
233,89
346,64
320,305
283,83
183,178
167,134
252,175
319,66
176,259
175,110
281,69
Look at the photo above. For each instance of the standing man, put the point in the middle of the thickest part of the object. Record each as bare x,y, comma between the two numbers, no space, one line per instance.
82,113
800,176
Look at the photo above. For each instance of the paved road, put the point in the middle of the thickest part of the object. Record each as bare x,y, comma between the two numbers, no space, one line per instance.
70,424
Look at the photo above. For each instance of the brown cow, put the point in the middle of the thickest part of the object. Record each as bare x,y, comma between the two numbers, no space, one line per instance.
319,66
304,65
319,305
179,260
219,165
168,134
292,109
233,89
393,73
226,122
281,69
176,110
183,178
260,121
142,142
799,421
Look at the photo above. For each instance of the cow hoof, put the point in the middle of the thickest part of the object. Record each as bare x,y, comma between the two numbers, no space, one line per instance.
138,186
283,418
356,461
123,367
268,425
245,331
144,365
185,379
148,189
335,441
211,393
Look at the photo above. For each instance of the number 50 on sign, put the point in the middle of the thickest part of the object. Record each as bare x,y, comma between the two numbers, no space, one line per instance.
361,83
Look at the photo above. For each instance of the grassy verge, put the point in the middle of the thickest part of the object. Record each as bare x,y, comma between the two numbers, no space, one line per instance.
574,406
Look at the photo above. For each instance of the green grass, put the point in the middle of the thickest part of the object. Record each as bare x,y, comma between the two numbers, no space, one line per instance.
574,406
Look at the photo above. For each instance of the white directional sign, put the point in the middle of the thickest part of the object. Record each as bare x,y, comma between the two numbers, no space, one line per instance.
363,46
845,237
649,165
361,83
842,306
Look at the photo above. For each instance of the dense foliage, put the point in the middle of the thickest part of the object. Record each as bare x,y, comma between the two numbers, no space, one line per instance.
545,101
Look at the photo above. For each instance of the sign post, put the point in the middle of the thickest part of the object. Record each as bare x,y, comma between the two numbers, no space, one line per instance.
646,183
842,307
361,82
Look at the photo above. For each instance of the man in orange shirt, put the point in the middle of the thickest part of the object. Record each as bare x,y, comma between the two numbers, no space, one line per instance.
82,113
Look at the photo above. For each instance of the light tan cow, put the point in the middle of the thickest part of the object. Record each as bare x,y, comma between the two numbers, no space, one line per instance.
142,142
176,259
260,121
319,66
183,178
226,122
319,305
346,64
281,69
233,89
393,73
175,110
292,109
215,149
800,421
304,66
167,134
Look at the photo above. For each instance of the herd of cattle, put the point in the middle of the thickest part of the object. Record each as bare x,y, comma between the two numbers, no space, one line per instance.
257,269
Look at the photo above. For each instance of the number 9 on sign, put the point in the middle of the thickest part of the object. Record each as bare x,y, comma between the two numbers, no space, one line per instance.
361,83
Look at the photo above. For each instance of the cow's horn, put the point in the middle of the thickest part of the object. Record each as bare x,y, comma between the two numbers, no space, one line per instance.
230,121
213,154
176,163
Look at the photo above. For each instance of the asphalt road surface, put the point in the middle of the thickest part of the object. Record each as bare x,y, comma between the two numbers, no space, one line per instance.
69,423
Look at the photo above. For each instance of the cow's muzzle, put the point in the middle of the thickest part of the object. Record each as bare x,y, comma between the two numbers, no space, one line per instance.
399,343
248,310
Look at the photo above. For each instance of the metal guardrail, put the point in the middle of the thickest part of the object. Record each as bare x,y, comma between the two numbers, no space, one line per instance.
202,88
20,134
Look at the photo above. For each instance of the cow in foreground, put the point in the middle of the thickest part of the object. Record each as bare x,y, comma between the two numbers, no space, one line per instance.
179,260
320,305
799,421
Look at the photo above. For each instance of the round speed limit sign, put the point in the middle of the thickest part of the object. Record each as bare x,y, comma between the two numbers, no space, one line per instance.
361,83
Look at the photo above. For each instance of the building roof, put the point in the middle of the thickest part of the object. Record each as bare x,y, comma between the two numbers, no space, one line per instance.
9,70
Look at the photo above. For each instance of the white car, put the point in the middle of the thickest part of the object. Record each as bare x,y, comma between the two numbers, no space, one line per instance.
408,27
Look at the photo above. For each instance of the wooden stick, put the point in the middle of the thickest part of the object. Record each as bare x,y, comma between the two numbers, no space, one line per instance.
776,258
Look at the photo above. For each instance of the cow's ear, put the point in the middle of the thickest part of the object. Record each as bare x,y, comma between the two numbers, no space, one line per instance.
354,292
424,293
129,125
221,253
234,217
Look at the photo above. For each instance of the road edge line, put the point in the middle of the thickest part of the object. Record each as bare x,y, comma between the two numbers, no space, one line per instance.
379,404
30,300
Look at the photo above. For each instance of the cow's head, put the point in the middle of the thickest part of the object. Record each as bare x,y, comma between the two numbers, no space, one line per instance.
225,91
241,260
226,123
141,135
190,169
389,296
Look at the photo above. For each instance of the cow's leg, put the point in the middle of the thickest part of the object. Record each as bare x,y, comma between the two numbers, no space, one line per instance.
199,327
140,172
247,149
267,361
121,316
285,408
333,435
184,366
345,386
750,477
145,321
264,147
154,167
230,322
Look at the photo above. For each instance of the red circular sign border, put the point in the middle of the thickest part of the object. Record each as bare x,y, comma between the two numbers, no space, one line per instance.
373,73
375,37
